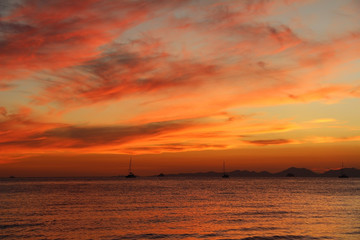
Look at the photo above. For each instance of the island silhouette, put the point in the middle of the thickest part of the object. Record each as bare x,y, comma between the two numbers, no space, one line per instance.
289,172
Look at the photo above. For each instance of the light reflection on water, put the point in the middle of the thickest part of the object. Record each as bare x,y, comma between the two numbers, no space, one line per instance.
180,208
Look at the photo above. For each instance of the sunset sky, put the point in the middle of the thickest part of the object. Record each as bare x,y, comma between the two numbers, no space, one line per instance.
179,85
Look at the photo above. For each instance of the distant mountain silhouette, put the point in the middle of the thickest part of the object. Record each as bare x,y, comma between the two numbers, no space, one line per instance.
351,172
297,172
292,171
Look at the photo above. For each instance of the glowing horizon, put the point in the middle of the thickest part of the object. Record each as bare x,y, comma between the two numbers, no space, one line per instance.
178,84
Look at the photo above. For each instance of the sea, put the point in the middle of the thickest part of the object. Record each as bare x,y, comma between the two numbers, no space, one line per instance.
180,208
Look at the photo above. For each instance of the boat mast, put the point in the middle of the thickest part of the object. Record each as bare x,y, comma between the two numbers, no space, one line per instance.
130,165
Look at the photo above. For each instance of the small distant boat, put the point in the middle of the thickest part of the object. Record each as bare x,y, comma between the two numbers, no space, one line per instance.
225,175
131,174
343,175
161,175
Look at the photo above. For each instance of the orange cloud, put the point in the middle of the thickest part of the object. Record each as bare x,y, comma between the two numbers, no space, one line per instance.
36,39
123,73
166,74
323,120
148,65
270,142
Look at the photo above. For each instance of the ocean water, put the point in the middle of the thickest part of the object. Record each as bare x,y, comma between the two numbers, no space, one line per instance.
180,208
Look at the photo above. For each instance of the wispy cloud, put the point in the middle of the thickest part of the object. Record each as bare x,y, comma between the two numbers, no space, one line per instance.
270,142
42,35
330,139
166,75
323,120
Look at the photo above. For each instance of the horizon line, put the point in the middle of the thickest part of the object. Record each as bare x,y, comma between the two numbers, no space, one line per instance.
180,173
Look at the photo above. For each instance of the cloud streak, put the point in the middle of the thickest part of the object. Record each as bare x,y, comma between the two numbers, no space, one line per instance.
269,142
155,76
34,38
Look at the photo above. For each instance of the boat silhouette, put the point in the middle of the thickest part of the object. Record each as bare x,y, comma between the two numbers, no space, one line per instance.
225,175
131,174
343,175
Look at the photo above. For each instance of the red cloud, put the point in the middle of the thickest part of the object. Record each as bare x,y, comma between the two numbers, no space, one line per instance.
19,131
41,35
122,73
176,59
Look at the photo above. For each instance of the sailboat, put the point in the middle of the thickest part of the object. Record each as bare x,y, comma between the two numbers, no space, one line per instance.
131,174
343,175
225,175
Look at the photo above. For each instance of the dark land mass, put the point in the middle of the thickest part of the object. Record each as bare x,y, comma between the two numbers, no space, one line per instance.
351,172
290,172
297,172
287,173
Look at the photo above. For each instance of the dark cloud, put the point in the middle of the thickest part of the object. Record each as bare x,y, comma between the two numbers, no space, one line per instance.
120,134
82,137
5,86
39,35
7,6
269,142
120,72
11,28
175,147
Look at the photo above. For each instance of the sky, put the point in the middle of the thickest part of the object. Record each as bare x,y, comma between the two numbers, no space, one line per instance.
180,85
